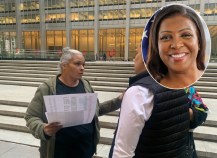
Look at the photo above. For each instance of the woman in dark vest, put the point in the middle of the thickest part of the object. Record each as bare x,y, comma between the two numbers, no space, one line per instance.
154,120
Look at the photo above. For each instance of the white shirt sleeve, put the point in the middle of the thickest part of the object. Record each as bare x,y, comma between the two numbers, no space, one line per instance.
136,108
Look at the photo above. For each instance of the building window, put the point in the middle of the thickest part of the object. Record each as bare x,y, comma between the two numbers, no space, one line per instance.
8,16
2,8
174,0
142,13
196,7
81,3
54,4
111,43
55,18
210,9
144,1
31,40
30,18
135,41
56,40
83,40
82,16
29,6
118,14
111,2
7,20
7,42
6,6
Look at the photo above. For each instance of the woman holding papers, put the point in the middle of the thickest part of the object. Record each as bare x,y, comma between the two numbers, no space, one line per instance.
75,141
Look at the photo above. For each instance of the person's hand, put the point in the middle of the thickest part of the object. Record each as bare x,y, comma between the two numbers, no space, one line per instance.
191,114
121,96
50,129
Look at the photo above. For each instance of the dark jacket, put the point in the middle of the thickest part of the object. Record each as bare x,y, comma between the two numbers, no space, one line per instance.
165,133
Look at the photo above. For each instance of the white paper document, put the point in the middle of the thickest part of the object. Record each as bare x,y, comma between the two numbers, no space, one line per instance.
71,109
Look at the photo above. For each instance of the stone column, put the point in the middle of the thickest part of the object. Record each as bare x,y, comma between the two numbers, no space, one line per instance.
42,28
126,53
19,37
96,28
68,21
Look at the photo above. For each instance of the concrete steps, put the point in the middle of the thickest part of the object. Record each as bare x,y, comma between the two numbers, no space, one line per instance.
206,83
208,95
96,70
96,81
8,110
206,89
19,124
210,79
12,123
208,74
12,116
104,76
97,87
86,74
206,149
206,133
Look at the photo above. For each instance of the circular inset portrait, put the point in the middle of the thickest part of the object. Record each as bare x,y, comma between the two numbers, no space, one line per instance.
176,46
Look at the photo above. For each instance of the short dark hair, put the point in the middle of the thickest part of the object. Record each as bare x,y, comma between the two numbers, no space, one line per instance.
154,63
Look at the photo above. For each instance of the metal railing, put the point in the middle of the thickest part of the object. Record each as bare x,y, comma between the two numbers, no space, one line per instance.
21,54
35,55
55,55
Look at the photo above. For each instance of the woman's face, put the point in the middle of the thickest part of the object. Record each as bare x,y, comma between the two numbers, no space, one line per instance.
178,44
75,67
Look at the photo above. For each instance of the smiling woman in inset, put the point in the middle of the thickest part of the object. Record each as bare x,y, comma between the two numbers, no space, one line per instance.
176,50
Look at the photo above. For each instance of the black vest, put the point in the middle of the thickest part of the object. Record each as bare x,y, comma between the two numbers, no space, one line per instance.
165,133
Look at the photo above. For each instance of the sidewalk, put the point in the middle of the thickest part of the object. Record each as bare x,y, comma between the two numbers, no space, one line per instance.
25,94
12,150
